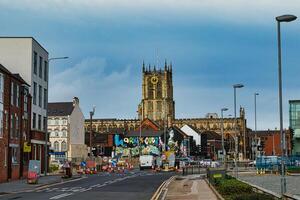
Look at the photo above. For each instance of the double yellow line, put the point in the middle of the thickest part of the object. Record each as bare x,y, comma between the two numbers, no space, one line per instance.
162,187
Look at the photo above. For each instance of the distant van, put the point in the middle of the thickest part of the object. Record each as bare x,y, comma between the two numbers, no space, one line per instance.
146,161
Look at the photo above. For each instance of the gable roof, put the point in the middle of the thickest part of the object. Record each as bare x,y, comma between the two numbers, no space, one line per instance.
60,108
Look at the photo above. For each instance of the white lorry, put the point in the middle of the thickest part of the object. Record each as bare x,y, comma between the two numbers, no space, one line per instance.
146,161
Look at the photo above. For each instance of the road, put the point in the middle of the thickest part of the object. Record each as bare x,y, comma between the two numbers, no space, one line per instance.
134,185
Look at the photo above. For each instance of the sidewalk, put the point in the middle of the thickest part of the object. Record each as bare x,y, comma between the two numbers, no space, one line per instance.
189,187
22,185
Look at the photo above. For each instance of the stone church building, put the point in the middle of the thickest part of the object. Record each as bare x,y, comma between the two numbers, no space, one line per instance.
158,105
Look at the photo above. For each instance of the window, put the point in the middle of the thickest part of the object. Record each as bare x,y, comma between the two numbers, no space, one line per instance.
12,128
17,96
1,87
56,122
39,122
63,146
1,120
40,95
34,120
45,99
45,123
12,93
64,122
35,63
14,155
41,67
64,133
34,92
17,126
56,146
45,71
26,99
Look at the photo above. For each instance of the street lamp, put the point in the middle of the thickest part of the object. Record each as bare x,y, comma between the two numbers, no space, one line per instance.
255,126
222,133
91,128
279,19
235,86
46,129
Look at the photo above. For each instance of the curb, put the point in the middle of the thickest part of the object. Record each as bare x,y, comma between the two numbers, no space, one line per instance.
161,188
219,197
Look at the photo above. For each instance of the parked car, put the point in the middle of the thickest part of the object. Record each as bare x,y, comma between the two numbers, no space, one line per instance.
59,163
206,163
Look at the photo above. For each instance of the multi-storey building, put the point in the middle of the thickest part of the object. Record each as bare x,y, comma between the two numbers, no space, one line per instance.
158,105
295,124
24,55
66,130
15,112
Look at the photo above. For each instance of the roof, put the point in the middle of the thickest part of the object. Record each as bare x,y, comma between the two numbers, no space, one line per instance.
17,76
60,108
3,69
211,135
144,133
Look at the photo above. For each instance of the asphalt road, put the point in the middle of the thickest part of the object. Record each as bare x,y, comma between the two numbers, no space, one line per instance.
131,186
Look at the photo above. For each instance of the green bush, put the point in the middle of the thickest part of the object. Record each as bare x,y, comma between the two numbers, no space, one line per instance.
232,187
252,196
53,168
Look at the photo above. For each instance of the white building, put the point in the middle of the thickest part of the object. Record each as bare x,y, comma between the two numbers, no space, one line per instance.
66,129
191,132
24,55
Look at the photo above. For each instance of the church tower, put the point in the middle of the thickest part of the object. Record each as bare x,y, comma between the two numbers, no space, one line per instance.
157,94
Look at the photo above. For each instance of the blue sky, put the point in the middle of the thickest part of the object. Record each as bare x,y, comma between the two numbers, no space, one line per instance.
212,45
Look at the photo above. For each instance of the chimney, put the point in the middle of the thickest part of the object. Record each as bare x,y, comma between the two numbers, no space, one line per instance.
75,101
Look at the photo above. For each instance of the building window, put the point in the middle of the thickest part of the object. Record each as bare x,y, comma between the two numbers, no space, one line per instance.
34,92
17,126
45,123
63,146
40,95
12,93
39,122
14,155
11,126
35,63
1,120
56,146
56,122
34,120
41,67
64,133
1,87
45,71
45,99
17,96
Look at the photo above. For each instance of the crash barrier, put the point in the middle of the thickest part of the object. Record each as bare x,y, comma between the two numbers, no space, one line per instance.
192,169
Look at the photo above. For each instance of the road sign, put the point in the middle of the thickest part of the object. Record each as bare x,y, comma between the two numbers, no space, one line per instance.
26,147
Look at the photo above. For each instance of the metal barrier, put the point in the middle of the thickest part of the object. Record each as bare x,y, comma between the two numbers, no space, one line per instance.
193,169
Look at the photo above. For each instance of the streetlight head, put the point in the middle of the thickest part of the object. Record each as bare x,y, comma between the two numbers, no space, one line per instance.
256,93
286,18
224,109
238,85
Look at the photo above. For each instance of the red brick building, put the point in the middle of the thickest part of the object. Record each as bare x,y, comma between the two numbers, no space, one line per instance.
270,142
15,109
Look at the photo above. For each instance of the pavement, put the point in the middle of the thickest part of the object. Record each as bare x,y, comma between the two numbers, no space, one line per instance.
22,185
272,182
192,187
137,185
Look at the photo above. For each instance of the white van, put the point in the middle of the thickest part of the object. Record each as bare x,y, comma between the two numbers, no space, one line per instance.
146,161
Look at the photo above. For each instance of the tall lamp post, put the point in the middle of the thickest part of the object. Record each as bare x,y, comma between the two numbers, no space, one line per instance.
279,19
46,129
235,86
255,127
91,128
222,133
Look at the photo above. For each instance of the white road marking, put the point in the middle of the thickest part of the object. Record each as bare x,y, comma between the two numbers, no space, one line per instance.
61,195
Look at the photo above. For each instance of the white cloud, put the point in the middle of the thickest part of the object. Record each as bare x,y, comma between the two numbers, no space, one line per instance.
110,91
